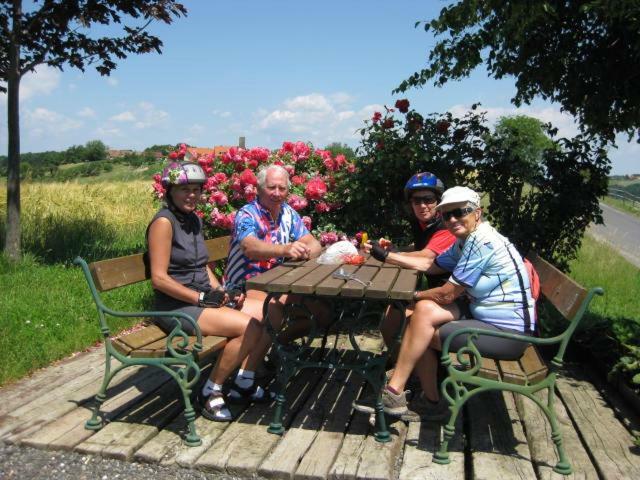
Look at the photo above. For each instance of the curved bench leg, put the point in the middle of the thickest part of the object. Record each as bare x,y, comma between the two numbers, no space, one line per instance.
192,439
442,455
95,422
563,466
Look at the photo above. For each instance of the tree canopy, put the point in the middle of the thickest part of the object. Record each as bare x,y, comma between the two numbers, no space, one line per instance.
59,33
583,54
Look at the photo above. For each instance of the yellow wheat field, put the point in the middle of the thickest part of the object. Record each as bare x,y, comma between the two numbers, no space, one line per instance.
67,217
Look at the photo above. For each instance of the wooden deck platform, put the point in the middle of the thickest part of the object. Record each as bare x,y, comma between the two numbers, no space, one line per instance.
499,436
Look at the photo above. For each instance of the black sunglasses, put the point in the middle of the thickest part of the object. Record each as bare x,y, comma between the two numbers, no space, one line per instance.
457,212
426,199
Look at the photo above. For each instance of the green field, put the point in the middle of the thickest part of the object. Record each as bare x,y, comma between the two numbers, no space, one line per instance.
47,312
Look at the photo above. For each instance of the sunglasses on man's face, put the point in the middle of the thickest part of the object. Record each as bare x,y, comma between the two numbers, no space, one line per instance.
426,199
457,213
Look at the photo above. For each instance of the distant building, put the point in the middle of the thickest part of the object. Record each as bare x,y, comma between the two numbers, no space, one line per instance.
216,151
118,153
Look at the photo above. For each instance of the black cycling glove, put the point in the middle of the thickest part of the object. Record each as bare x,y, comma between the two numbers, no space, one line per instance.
212,298
379,253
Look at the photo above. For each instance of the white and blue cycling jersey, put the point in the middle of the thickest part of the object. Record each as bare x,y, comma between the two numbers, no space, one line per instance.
494,276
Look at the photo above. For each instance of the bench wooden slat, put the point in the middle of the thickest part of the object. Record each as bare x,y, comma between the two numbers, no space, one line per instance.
142,337
565,294
159,348
118,272
511,372
533,365
489,369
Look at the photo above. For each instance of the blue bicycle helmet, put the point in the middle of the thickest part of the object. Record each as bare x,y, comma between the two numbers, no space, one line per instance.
421,181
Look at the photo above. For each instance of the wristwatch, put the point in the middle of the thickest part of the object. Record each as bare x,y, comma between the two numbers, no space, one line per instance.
415,295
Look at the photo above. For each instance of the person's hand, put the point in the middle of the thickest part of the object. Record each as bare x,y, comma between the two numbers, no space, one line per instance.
367,246
213,299
386,244
297,250
234,299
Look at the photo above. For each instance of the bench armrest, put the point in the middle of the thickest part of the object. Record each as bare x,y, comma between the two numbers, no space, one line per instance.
103,309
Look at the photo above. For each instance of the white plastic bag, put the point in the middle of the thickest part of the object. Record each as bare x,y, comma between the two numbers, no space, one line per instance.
335,253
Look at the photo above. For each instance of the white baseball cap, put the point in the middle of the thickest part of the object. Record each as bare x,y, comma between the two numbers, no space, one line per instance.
456,195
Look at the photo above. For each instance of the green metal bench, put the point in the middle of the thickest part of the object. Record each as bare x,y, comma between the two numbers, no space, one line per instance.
177,353
469,374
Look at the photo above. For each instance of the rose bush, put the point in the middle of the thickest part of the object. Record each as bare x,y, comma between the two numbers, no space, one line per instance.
316,177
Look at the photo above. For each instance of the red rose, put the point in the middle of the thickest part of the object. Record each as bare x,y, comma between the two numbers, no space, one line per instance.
402,105
173,155
388,123
248,178
459,134
442,127
322,207
315,189
376,117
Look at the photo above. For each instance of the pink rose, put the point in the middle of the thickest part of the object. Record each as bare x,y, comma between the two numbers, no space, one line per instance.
329,164
247,177
259,154
219,198
351,167
340,160
290,170
250,193
301,151
220,177
328,238
307,222
298,179
297,202
322,207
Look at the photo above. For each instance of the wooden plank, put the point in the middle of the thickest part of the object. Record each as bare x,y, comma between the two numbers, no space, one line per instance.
498,445
543,453
48,379
121,438
329,286
511,372
121,271
423,440
489,369
260,282
382,282
609,443
355,289
533,365
362,457
564,293
245,443
159,348
67,431
283,283
405,285
311,443
142,337
308,283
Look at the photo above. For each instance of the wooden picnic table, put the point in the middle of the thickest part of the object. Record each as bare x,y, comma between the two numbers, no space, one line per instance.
355,295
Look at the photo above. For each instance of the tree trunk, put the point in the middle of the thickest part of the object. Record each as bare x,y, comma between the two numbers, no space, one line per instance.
12,240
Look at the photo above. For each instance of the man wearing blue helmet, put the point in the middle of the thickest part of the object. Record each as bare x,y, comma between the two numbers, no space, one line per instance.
430,238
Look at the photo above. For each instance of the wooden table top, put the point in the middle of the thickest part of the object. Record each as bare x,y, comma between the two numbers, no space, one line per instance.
388,282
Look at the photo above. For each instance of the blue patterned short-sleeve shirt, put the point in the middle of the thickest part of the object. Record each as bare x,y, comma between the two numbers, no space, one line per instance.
494,276
254,219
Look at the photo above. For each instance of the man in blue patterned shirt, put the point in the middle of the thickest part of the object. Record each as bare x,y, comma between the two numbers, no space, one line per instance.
267,230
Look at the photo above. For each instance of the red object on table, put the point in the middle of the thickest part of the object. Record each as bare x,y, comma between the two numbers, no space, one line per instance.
353,259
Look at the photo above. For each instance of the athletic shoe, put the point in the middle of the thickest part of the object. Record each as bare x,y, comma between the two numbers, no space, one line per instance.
392,404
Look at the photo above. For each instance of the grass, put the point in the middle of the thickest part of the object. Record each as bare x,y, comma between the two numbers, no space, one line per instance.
625,206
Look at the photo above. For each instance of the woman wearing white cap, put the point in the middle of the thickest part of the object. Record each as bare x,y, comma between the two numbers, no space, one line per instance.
488,289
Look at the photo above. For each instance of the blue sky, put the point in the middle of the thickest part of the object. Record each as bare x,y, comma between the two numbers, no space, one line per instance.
269,70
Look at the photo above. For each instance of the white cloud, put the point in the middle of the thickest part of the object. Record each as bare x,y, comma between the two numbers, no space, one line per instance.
564,122
42,82
221,113
315,117
40,121
123,117
106,132
112,81
86,112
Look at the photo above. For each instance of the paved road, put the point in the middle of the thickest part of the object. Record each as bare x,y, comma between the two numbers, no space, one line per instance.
620,230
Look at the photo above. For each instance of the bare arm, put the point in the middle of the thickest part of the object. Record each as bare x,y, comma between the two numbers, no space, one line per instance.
443,295
160,234
313,244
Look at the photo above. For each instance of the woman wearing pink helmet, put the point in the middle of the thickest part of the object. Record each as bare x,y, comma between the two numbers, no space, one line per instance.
182,281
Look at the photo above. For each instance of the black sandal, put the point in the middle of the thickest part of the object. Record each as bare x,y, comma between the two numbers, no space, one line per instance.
248,394
213,406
